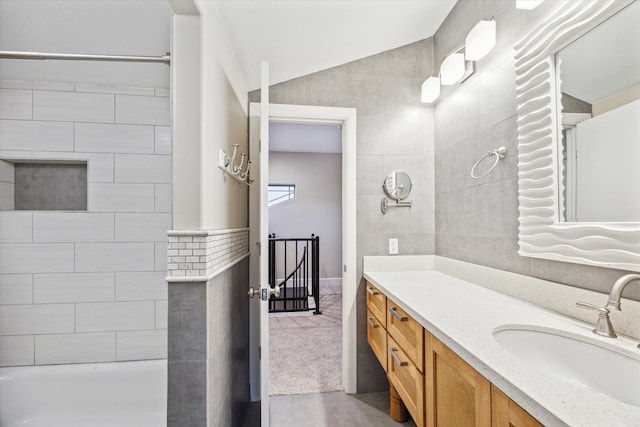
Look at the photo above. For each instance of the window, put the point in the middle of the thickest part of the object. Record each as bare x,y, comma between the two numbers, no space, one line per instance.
280,193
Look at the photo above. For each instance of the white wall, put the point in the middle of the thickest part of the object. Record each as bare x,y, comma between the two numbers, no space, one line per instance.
210,112
87,286
317,207
186,117
207,371
224,123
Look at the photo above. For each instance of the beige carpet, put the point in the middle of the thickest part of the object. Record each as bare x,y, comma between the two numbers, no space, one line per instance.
305,350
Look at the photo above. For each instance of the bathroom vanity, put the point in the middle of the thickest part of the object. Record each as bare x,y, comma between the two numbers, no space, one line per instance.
447,346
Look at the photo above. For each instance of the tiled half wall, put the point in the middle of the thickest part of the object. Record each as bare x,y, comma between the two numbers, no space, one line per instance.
197,256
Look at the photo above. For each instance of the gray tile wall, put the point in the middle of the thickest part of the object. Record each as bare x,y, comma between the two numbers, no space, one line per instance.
477,220
394,131
86,286
187,354
228,349
209,350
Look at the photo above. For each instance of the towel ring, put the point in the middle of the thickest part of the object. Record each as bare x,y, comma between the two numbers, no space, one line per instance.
499,153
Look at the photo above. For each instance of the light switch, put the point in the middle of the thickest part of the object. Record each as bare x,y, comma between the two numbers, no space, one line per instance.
393,246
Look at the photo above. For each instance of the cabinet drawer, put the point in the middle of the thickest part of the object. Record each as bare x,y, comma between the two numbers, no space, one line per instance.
377,338
407,379
407,332
377,303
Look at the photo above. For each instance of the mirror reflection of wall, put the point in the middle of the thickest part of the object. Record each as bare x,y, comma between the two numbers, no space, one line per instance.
599,82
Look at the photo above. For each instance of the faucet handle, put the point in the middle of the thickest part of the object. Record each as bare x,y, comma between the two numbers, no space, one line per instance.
603,325
602,310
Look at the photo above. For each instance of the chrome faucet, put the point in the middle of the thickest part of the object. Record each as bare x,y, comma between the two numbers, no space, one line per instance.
616,291
603,324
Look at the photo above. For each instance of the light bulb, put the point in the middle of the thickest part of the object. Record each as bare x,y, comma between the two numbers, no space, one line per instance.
452,69
480,40
430,89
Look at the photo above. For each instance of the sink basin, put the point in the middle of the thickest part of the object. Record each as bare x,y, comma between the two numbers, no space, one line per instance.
575,359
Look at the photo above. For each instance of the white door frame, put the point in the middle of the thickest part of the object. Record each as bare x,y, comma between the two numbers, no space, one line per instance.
347,118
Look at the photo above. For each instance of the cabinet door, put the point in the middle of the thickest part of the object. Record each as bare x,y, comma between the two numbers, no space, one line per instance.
506,413
377,338
457,395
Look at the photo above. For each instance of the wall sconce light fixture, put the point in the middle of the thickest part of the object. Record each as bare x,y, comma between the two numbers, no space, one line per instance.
527,4
452,69
458,65
480,40
430,89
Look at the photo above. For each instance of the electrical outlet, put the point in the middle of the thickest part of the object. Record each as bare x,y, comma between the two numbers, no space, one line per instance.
393,246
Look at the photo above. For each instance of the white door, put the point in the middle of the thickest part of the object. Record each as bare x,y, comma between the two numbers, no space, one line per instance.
259,229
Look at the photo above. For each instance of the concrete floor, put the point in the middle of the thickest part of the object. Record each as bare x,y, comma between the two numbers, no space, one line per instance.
328,410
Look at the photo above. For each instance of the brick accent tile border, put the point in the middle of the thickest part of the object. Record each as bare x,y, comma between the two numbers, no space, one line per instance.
199,255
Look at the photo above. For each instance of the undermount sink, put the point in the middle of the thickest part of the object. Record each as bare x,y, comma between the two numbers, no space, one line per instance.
575,359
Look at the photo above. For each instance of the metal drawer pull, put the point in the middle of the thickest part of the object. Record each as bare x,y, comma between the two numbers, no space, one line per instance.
393,350
371,291
395,313
373,325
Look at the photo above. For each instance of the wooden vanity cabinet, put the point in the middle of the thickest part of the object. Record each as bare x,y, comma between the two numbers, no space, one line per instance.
377,304
506,413
377,338
407,332
428,379
407,379
376,323
405,359
456,394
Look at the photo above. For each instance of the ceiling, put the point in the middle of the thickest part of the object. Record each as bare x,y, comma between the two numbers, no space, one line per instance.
301,37
297,37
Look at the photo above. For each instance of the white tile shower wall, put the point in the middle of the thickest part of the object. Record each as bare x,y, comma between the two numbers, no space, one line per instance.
27,135
86,286
17,350
16,104
7,186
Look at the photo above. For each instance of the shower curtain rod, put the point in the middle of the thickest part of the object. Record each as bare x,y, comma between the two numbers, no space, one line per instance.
165,59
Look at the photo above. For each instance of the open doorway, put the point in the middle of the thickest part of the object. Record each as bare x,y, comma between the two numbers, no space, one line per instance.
259,318
305,178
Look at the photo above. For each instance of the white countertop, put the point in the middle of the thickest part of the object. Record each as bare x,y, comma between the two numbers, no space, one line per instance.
463,316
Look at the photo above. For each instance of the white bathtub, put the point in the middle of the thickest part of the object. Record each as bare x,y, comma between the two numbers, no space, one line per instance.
120,394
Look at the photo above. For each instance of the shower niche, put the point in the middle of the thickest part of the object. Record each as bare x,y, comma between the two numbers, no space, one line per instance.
43,185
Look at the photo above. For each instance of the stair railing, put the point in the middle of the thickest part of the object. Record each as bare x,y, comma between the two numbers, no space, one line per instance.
302,257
